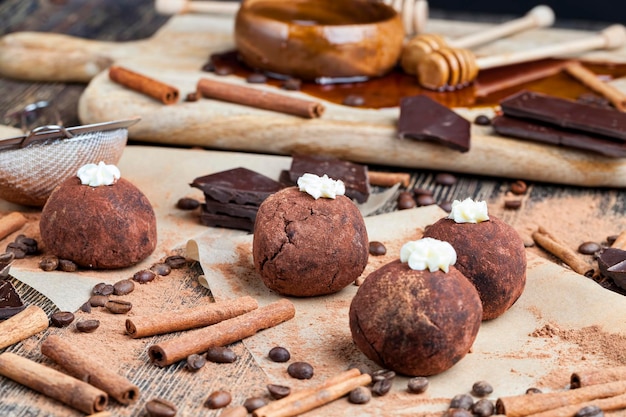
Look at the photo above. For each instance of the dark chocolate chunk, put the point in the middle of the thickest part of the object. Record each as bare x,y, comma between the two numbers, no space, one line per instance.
10,301
229,222
422,118
238,185
541,132
354,176
230,209
612,264
565,113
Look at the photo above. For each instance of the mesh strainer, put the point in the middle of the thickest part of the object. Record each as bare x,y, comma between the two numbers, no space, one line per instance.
32,166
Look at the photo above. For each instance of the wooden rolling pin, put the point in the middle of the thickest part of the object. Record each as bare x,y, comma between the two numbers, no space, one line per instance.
453,68
422,45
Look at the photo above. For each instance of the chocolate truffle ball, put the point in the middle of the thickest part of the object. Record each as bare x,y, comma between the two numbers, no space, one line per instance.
103,227
306,247
417,323
491,255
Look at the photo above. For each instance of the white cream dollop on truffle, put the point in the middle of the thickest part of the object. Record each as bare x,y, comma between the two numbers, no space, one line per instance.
97,175
428,253
469,211
324,186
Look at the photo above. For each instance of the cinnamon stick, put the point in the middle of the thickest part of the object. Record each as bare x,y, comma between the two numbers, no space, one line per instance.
388,179
589,79
254,97
620,242
52,383
141,83
617,402
200,316
597,376
297,396
82,366
560,249
222,333
23,325
524,405
532,72
10,223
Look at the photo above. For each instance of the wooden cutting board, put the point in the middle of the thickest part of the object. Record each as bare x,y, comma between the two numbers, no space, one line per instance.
176,53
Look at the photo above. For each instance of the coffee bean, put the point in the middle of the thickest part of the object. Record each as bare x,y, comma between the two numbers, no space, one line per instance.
421,191
49,263
377,248
98,300
161,269
279,354
300,370
159,407
118,306
144,276
482,388
405,201
292,84
278,391
382,387
519,187
382,374
533,390
221,354
187,203
224,70
457,412
589,248
483,408
66,265
359,395
123,287
590,411
30,245
446,206
208,67
353,100
102,289
195,362
417,385
218,399
256,78
253,403
236,411
86,307
61,318
18,252
191,97
611,239
444,178
425,200
87,326
176,261
512,204
464,401
482,120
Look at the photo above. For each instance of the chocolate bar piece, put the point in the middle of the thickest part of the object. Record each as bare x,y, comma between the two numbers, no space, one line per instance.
612,264
224,220
422,118
354,176
10,301
542,132
238,185
565,113
229,209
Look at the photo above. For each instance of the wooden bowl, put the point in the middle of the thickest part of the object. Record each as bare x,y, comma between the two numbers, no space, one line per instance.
313,39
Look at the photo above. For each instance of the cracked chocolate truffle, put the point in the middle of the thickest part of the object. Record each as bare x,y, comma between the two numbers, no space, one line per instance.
306,246
99,226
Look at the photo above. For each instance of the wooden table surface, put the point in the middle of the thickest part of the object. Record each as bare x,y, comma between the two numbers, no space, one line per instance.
128,20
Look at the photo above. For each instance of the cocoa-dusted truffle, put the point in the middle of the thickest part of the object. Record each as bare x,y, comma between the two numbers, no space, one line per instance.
491,255
306,246
100,227
415,322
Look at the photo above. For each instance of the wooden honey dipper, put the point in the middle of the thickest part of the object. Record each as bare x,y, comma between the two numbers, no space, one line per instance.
452,68
421,45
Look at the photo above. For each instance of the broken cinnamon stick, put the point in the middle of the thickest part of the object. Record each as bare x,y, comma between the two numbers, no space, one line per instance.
221,334
597,376
141,83
528,72
254,97
388,179
52,383
524,405
589,79
10,223
560,249
617,402
200,316
82,366
23,325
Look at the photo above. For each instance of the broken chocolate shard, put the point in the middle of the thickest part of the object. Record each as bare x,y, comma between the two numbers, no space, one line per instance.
612,264
229,209
422,118
226,221
544,133
353,175
10,301
566,114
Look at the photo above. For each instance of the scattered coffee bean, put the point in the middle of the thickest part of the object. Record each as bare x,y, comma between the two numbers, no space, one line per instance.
382,387
49,263
417,385
377,248
382,374
86,307
102,289
300,370
208,67
253,403
29,243
159,407
533,390
444,178
483,408
176,261
98,300
118,306
590,411
519,187
353,100
279,354
87,326
421,191
187,203
405,201
512,204
256,78
195,362
191,97
425,200
611,239
161,269
66,265
220,354
457,412
464,401
482,120
123,287
61,318
236,411
224,70
589,248
18,252
360,395
292,84
144,276
446,206
482,388
278,391
218,399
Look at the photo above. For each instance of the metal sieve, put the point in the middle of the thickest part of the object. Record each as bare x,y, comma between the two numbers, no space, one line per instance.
31,166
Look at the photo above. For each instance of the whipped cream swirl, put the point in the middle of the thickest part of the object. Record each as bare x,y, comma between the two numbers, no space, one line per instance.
469,211
324,186
97,175
428,253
